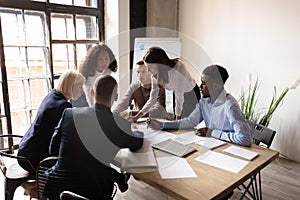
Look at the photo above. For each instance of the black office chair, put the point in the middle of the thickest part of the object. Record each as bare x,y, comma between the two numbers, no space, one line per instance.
41,179
57,179
14,174
262,136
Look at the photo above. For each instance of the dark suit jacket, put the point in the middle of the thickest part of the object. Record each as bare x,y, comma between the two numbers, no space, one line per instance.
36,141
87,140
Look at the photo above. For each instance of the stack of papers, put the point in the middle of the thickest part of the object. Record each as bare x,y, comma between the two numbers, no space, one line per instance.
241,152
132,161
210,142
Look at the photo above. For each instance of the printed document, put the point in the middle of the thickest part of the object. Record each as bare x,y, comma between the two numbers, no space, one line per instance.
174,167
222,161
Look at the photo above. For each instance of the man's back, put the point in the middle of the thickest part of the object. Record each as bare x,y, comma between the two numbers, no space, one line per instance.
87,140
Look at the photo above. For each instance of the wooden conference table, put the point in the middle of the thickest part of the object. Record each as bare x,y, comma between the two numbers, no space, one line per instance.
211,182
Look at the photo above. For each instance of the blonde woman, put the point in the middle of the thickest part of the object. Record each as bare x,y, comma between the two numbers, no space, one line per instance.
35,143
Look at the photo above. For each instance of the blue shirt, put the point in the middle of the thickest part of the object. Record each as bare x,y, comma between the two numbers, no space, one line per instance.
224,117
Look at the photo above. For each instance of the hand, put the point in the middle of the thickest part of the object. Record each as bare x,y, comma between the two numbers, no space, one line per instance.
136,117
133,118
154,124
202,131
178,117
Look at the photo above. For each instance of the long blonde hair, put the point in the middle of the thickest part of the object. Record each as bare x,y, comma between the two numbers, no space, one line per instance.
66,82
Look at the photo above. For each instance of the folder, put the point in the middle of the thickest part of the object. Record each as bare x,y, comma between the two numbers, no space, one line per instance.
173,147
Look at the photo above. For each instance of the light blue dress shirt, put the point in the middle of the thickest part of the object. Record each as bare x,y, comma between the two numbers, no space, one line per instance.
224,117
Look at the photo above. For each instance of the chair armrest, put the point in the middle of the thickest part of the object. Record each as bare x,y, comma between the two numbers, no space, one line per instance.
10,136
67,195
49,161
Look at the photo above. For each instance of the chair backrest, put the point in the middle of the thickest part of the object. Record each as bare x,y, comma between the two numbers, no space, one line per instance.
41,179
13,173
262,134
8,145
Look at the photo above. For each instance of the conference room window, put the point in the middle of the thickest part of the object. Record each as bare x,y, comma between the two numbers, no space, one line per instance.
39,40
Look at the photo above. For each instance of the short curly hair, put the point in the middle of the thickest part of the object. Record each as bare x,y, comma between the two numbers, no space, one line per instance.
89,65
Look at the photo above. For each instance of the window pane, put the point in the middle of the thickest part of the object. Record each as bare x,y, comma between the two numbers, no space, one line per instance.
65,2
81,52
63,57
38,61
20,122
62,27
3,125
86,27
15,61
39,88
17,90
36,31
85,3
12,27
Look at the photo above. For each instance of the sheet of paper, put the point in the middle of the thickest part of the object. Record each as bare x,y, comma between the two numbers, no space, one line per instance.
241,152
154,136
174,167
210,142
188,138
200,125
142,119
222,161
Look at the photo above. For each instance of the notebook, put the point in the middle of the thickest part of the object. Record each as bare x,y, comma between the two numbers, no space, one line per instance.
241,152
173,147
210,143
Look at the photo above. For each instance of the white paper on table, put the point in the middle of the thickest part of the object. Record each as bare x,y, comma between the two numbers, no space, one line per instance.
188,138
200,125
210,142
154,136
142,119
174,167
222,161
241,152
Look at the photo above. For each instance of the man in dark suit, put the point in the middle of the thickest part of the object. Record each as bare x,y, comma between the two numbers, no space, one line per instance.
87,140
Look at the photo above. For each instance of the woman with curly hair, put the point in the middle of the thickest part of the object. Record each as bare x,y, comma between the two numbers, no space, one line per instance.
99,61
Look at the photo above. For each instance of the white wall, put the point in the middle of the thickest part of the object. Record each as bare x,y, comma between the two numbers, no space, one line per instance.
258,37
117,38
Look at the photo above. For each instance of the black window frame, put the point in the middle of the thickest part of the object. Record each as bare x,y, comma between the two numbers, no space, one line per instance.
48,8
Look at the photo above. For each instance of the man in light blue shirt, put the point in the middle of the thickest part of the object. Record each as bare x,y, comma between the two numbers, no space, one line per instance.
219,110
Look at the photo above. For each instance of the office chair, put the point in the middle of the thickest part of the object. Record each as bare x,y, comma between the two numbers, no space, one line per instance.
262,136
41,179
14,174
57,179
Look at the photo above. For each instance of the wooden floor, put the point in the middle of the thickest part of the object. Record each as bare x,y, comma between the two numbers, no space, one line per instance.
280,181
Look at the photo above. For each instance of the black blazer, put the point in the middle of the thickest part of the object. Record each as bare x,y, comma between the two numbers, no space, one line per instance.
35,143
87,140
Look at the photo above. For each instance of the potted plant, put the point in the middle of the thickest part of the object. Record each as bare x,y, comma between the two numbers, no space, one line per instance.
249,99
